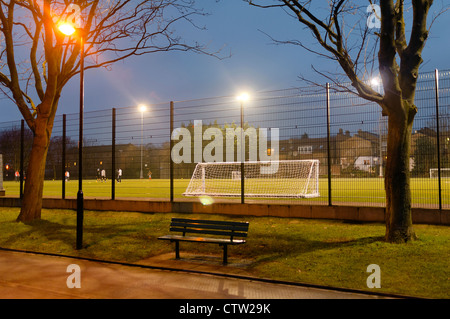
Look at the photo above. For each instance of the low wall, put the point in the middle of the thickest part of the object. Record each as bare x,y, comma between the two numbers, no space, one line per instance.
350,213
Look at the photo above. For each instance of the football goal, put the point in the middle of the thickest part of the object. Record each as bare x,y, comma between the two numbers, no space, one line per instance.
284,179
434,172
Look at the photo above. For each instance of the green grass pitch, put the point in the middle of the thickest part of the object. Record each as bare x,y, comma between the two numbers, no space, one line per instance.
351,190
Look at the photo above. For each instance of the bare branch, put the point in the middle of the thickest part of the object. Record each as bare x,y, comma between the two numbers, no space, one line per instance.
412,54
113,30
126,29
330,36
12,82
400,40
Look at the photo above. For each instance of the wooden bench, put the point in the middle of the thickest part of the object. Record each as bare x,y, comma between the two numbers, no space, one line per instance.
229,230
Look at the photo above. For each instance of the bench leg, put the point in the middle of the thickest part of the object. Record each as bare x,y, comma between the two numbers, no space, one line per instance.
177,250
225,254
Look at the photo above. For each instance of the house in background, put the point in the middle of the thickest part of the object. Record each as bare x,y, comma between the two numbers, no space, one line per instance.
360,151
367,163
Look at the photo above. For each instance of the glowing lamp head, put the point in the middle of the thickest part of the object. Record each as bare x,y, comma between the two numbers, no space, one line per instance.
66,28
375,81
142,108
243,97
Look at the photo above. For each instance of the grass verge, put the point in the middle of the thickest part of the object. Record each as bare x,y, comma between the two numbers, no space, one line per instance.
364,190
323,252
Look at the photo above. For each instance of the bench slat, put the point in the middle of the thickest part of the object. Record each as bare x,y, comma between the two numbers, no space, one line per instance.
208,232
212,222
209,226
203,240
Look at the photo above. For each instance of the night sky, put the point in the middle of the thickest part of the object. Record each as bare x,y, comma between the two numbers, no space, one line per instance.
256,63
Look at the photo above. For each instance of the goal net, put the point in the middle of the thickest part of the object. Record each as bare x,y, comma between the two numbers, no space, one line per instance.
289,178
445,172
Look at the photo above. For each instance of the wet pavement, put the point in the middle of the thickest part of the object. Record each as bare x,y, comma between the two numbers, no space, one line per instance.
39,276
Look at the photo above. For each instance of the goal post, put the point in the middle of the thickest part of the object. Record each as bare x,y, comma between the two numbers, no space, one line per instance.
445,172
263,179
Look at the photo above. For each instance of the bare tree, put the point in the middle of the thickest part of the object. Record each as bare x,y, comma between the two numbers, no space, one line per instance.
37,60
359,51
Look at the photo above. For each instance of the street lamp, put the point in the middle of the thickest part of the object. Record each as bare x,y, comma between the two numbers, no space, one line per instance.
68,29
142,109
242,98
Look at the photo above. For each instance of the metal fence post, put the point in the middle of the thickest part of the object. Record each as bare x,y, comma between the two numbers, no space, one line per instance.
170,152
22,141
63,164
328,145
113,155
436,79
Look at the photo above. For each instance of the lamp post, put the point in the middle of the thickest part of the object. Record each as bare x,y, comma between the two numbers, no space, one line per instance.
242,98
142,109
67,29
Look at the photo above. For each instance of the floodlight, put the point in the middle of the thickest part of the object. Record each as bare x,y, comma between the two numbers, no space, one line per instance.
142,108
375,81
243,97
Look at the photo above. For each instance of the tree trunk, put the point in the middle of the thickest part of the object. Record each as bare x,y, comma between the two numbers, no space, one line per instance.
34,183
397,177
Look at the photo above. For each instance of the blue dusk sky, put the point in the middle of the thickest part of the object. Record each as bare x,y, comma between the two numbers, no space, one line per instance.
255,64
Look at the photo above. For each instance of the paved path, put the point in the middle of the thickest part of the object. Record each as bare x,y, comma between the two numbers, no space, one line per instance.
36,276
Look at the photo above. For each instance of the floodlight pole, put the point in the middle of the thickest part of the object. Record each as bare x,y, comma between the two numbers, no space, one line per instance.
170,152
141,174
242,153
80,197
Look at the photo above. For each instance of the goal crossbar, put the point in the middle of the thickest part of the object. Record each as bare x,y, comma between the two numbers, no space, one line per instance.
434,172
